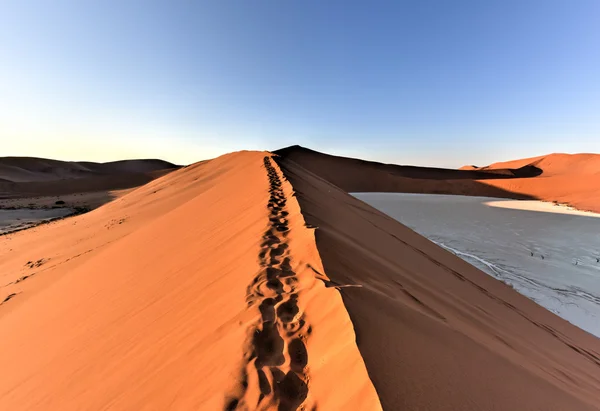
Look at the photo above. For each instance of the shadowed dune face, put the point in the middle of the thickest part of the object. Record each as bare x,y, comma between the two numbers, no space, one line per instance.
353,175
570,179
73,186
27,169
435,332
29,177
313,160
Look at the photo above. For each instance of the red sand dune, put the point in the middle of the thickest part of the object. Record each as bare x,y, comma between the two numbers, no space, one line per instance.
207,289
160,300
435,332
470,167
554,164
572,179
565,178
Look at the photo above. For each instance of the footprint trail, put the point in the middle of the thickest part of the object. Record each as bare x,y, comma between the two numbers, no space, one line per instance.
275,374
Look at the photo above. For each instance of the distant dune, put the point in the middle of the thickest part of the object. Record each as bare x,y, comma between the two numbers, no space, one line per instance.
249,282
30,169
556,163
345,170
570,179
435,332
471,167
29,176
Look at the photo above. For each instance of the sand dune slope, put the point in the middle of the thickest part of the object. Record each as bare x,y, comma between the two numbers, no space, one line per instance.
24,169
347,170
571,179
354,175
435,332
31,177
200,290
557,163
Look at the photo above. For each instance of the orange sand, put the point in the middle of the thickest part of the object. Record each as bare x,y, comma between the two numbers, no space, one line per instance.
572,179
223,285
435,332
152,301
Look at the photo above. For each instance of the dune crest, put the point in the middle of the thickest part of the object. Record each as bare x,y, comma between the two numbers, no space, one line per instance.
572,179
200,290
435,332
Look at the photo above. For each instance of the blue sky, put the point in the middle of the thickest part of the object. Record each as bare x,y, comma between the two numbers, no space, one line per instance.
425,82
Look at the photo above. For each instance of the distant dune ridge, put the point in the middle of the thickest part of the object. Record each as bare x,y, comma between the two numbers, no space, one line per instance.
30,176
435,332
28,169
301,154
255,281
572,179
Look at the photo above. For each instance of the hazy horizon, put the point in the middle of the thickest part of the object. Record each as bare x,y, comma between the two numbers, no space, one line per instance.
324,152
422,83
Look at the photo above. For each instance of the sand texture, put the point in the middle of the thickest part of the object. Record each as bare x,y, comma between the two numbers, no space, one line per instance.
435,332
248,282
200,290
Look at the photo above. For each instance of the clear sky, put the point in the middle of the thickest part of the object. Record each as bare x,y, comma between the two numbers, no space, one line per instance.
425,82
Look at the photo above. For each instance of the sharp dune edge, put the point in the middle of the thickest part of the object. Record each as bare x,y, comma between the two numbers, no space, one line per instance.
435,332
192,292
248,282
573,179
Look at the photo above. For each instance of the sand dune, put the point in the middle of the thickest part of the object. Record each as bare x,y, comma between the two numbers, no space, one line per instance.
248,283
554,164
353,175
346,170
572,179
34,177
196,291
435,332
28,169
568,179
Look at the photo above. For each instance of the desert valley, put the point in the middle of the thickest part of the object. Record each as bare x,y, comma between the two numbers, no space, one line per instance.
297,280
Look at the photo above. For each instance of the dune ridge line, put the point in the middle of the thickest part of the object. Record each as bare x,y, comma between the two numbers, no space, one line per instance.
275,370
281,376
